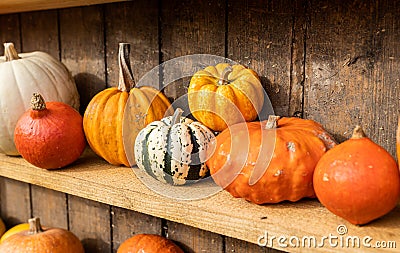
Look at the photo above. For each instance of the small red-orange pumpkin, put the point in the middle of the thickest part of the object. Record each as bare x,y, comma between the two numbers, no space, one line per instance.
148,243
50,135
357,180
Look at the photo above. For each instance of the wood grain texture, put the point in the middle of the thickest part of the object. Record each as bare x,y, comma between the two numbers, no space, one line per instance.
10,31
82,49
134,22
352,77
93,179
14,201
127,223
185,30
90,222
261,36
193,240
233,245
11,6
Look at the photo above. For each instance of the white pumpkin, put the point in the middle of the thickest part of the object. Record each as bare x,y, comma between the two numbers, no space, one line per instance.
174,150
20,76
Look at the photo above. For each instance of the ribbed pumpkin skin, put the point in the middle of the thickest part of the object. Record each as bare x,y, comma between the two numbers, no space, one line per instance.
148,243
103,120
299,144
114,116
52,138
19,78
213,104
50,240
357,180
174,153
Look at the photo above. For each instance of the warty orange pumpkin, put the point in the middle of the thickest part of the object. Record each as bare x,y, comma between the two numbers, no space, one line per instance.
269,161
117,114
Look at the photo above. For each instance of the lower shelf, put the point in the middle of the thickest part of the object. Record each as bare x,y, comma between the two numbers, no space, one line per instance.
286,226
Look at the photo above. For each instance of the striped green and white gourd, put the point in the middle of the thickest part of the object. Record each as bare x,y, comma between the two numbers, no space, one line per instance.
174,150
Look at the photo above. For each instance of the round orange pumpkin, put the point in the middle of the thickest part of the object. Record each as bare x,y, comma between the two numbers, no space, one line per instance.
224,95
357,180
148,243
16,229
49,135
269,161
112,118
39,240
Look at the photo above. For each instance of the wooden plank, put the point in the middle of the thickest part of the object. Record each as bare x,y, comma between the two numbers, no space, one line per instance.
261,36
185,31
136,23
82,49
40,33
352,77
10,31
14,201
92,178
10,6
126,223
193,240
90,222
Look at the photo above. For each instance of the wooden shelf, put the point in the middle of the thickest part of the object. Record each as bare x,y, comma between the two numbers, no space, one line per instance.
90,177
12,6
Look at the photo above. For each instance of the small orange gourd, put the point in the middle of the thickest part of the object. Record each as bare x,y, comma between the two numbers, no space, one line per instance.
148,243
40,240
357,180
49,135
111,118
269,161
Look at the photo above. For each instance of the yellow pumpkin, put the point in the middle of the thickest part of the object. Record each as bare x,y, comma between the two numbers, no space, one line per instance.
116,115
14,230
224,95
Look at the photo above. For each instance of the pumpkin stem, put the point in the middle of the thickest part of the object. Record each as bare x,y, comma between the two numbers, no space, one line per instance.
34,226
223,80
358,133
176,118
126,81
10,53
37,102
272,122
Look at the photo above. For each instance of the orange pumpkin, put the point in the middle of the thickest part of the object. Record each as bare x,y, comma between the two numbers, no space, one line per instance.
148,243
357,180
39,240
49,135
224,95
111,118
269,161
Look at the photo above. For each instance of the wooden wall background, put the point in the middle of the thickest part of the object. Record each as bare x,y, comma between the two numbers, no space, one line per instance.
337,62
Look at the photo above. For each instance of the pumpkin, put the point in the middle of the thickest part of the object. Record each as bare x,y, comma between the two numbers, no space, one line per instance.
174,150
20,76
148,243
111,118
16,229
224,95
50,135
269,161
40,240
357,180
